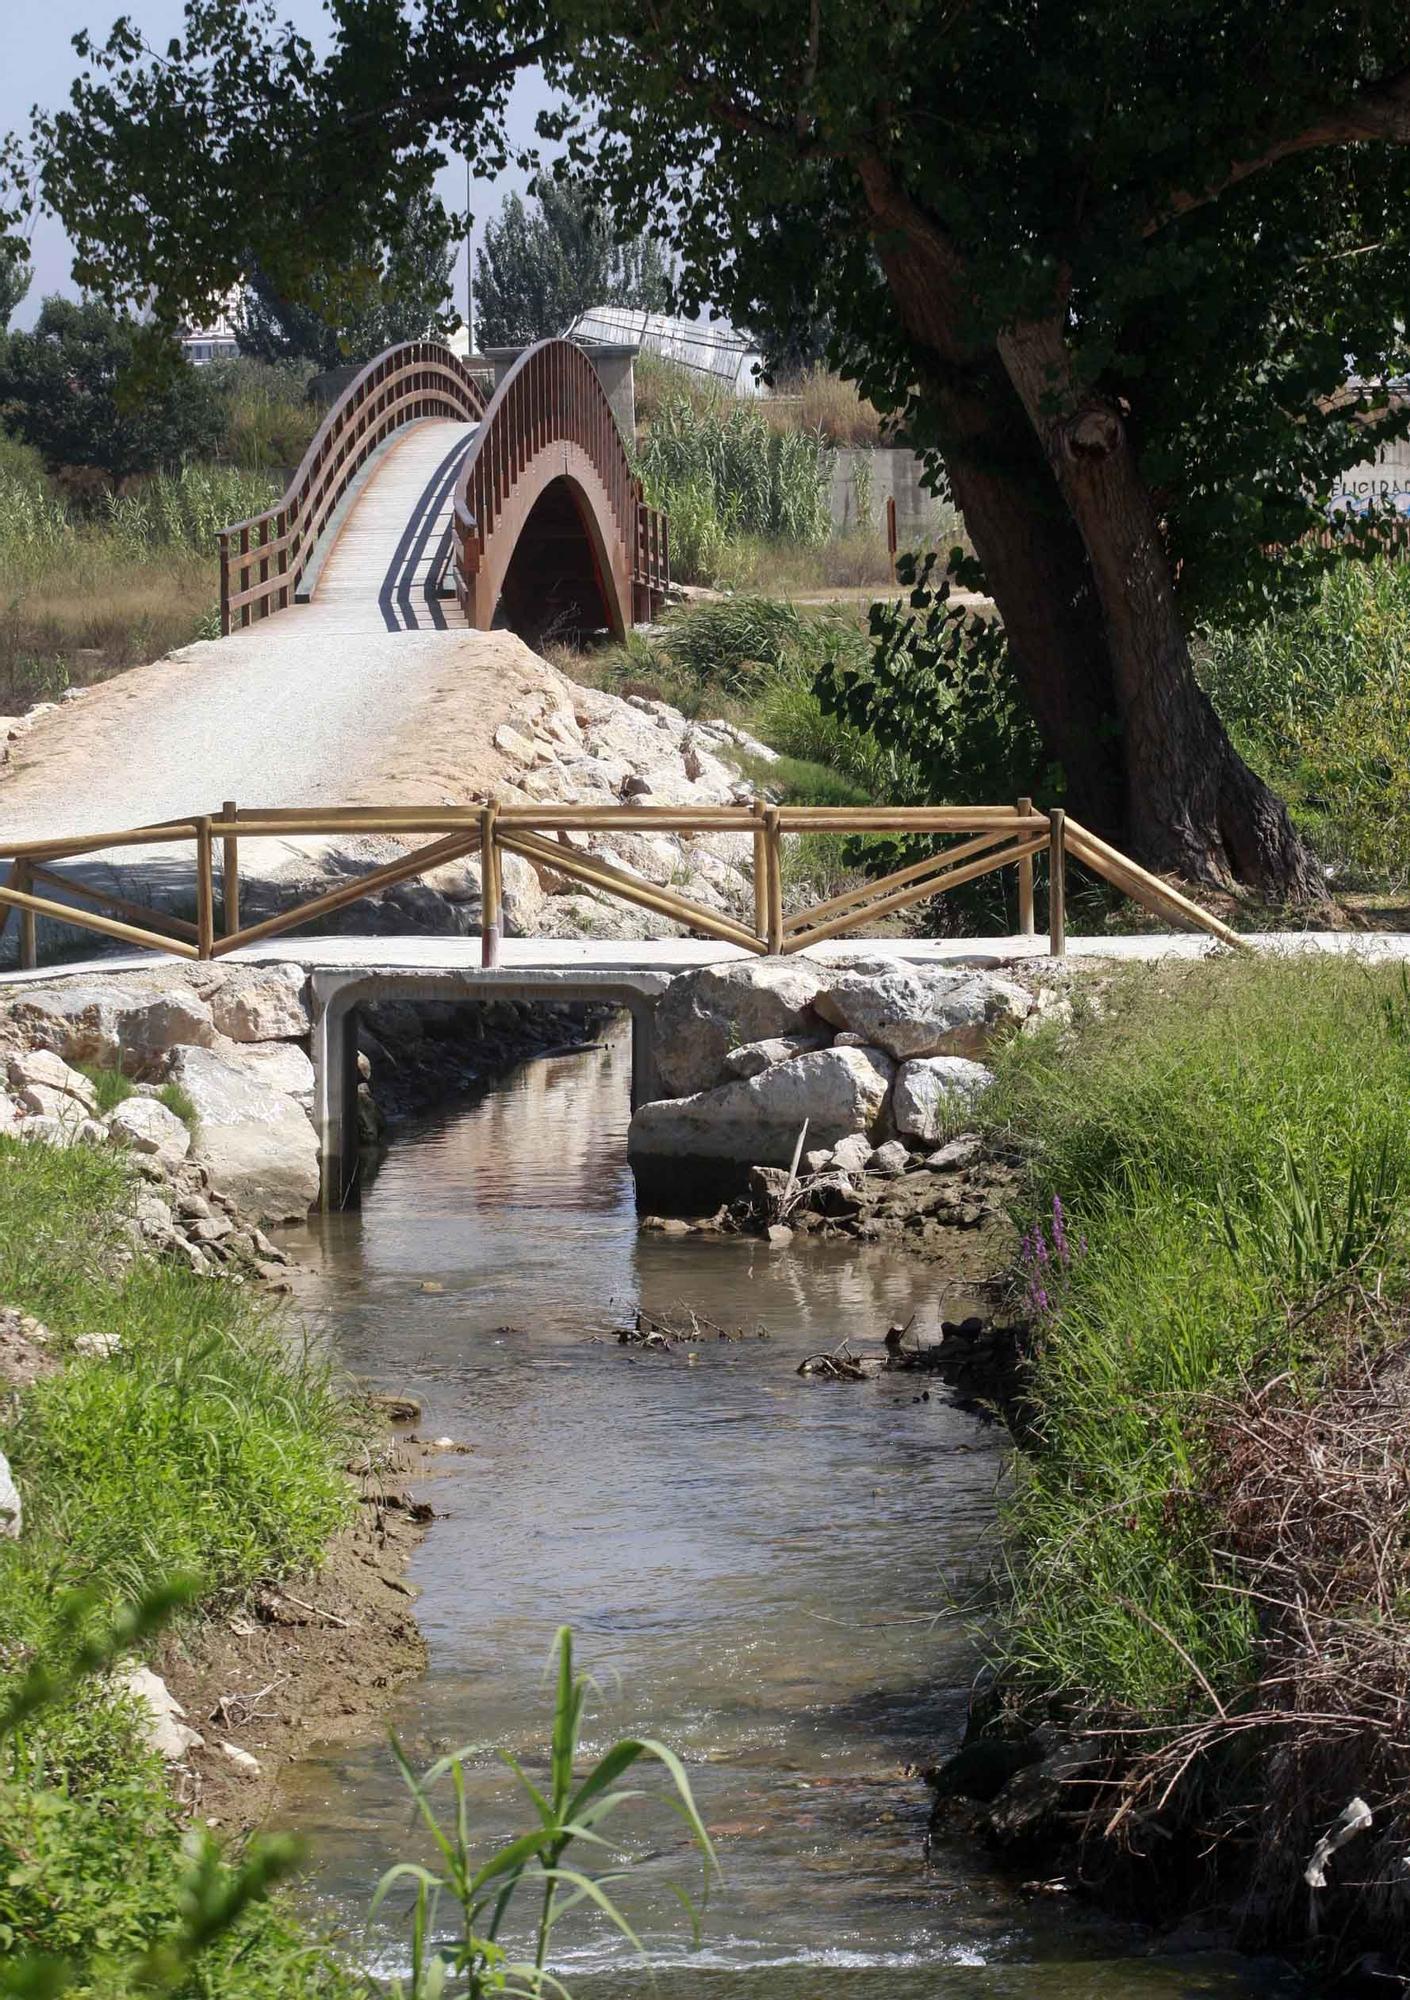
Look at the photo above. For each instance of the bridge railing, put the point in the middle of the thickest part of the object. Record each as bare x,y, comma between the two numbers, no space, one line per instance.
263,559
553,395
982,839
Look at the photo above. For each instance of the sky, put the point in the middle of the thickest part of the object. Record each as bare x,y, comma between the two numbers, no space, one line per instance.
40,64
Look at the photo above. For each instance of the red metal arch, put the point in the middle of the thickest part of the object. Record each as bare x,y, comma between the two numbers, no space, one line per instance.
550,419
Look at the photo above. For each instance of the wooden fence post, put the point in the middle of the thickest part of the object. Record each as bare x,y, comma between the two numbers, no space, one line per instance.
205,890
761,873
230,872
489,887
1025,879
1057,882
774,879
29,937
224,540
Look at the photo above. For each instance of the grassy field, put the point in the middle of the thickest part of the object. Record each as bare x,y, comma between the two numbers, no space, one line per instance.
1216,1266
205,1447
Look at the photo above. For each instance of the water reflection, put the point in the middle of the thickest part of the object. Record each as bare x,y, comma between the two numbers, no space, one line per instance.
760,1569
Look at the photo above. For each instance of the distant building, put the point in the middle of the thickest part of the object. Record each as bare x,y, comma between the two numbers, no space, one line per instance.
216,341
715,350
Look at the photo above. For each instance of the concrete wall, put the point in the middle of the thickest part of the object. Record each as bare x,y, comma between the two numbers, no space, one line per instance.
864,479
1386,478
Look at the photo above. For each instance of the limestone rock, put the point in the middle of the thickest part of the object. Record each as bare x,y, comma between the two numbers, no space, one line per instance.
955,1153
912,1013
11,1506
145,1126
10,1116
260,1003
78,1018
277,1065
160,1714
758,1118
48,1077
97,1346
892,1158
755,1057
153,1023
851,1155
704,1015
933,1093
255,1143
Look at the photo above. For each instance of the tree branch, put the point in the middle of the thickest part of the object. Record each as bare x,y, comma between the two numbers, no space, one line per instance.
1380,112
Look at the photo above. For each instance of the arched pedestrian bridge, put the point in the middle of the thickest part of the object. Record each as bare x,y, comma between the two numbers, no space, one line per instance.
422,505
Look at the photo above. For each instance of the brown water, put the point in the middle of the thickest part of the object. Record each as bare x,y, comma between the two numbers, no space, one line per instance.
759,1569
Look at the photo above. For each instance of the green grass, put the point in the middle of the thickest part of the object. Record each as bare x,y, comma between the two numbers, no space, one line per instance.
207,1445
1222,1139
112,1088
1318,701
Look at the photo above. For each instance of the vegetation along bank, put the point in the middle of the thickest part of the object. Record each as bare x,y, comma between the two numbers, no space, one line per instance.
1201,1659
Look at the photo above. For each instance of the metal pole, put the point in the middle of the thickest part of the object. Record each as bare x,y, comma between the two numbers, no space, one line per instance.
1057,882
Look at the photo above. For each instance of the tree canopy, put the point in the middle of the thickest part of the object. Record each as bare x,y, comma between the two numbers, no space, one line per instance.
1135,270
67,390
546,260
15,274
388,292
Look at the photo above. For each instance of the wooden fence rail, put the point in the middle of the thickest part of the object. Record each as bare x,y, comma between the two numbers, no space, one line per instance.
990,838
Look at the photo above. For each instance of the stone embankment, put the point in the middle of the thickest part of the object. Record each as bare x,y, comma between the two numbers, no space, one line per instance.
873,1065
221,1087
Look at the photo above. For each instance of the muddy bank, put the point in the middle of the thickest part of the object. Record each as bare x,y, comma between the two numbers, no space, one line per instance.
312,1661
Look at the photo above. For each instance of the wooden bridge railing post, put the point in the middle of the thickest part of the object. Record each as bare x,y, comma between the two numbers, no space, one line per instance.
1023,810
23,880
230,871
761,873
224,540
773,840
205,890
1057,882
490,917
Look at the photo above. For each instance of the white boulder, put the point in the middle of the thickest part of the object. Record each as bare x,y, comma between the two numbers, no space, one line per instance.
152,1023
278,1065
256,1144
144,1126
260,1003
914,1013
46,1078
756,1121
703,1015
159,1714
934,1094
755,1057
11,1506
78,1018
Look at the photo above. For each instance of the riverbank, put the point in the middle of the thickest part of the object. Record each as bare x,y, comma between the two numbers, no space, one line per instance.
1203,1665
160,1424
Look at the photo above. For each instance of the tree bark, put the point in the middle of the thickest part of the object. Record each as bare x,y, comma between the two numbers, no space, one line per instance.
1063,524
1192,804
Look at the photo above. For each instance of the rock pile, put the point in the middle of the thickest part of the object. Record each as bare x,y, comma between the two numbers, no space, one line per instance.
881,1062
231,1040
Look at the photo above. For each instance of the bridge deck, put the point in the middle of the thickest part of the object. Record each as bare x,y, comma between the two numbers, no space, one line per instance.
391,552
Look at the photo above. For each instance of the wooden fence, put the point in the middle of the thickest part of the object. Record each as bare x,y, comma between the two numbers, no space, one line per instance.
981,840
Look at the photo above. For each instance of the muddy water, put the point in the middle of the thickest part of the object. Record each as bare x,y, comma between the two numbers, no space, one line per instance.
758,1569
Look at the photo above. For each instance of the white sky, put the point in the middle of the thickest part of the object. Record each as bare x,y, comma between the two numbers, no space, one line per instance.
40,64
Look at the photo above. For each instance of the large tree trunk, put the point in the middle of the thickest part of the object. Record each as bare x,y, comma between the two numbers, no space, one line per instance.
1192,804
1064,527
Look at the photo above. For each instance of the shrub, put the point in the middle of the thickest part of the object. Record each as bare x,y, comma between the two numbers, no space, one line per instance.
1318,700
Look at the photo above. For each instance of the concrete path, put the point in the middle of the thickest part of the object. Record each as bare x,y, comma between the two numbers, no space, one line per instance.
577,958
298,709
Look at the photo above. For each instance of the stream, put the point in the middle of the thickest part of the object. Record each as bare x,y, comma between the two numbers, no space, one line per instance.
766,1572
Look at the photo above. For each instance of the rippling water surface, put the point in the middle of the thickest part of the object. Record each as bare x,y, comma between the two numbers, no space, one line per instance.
759,1569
